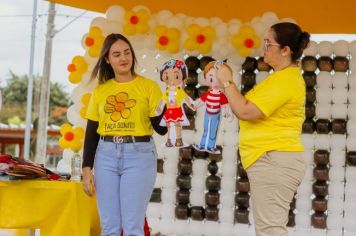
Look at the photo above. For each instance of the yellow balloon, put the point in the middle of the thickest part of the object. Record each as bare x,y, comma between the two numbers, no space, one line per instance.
160,30
209,32
129,29
190,45
244,52
65,128
173,33
142,28
173,47
193,29
75,77
205,48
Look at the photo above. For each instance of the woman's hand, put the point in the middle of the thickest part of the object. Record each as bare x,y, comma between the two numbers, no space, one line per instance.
88,181
223,73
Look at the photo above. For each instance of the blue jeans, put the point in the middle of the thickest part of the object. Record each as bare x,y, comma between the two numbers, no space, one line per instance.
124,179
211,125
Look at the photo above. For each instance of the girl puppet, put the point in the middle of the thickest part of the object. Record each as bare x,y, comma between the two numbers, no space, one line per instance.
174,73
215,101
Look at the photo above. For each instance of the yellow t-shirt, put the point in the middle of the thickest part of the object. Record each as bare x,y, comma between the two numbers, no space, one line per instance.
281,98
124,108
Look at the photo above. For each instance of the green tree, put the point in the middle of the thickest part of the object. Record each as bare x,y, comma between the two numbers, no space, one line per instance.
14,95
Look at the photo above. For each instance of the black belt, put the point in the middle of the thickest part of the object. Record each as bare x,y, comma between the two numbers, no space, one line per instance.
126,139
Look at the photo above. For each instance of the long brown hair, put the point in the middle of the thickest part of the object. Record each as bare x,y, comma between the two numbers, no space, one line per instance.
103,70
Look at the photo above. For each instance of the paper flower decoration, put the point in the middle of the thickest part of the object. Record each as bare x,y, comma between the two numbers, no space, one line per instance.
167,39
200,38
119,105
245,41
77,68
136,22
85,101
94,41
72,138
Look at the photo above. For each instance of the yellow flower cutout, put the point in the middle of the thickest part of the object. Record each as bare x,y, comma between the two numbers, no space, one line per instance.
119,105
85,101
167,39
77,68
136,22
71,138
200,38
245,41
94,41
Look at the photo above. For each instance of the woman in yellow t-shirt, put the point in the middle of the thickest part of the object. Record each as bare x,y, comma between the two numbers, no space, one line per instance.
271,117
121,118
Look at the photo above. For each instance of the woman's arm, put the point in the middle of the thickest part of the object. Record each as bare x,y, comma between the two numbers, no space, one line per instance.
240,106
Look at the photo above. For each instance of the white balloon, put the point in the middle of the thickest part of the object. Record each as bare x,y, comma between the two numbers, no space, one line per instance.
235,59
339,80
322,141
175,22
339,95
269,15
159,180
200,167
259,27
162,16
112,27
228,183
73,115
352,64
154,210
312,49
211,228
341,48
339,111
98,22
352,48
202,21
323,81
221,30
155,225
269,18
352,97
197,198
198,182
181,227
215,21
256,19
226,227
352,80
227,199
167,225
234,27
115,12
323,95
141,7
325,48
169,182
195,228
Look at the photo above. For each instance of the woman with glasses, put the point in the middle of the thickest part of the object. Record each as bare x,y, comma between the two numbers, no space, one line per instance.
271,117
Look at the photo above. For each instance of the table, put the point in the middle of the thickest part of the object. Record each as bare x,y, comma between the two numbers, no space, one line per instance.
57,208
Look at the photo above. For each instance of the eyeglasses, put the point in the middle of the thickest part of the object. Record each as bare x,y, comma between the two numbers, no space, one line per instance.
266,44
